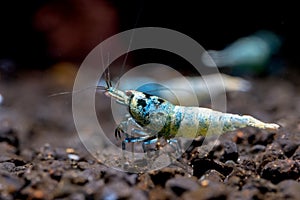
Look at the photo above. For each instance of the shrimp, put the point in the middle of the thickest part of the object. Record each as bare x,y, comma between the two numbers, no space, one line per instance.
157,118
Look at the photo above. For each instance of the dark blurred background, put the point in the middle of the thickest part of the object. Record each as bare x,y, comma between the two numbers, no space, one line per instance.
39,33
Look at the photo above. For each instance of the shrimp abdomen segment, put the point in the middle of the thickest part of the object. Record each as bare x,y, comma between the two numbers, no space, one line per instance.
191,122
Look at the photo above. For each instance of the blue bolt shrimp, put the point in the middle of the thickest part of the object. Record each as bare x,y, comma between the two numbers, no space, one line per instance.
155,118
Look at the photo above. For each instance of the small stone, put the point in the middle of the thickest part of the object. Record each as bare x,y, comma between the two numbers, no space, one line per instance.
257,148
93,186
180,185
116,190
27,154
204,183
246,194
290,189
131,179
162,176
200,166
145,182
296,155
7,166
73,157
288,146
234,181
261,137
46,153
280,170
79,178
213,175
70,150
77,196
112,175
239,137
138,195
212,191
272,153
248,165
60,154
159,193
5,196
38,194
9,184
83,165
7,148
262,185
230,151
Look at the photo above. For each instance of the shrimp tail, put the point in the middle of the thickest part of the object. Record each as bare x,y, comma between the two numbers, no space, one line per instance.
233,122
259,124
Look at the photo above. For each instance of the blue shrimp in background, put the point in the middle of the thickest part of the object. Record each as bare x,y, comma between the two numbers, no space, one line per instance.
249,55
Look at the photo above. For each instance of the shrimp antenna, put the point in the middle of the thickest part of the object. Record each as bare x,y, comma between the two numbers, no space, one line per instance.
131,37
98,87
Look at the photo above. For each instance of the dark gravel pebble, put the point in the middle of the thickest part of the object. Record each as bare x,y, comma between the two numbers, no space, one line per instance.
296,155
260,137
290,189
211,190
213,175
112,175
201,165
262,185
288,145
179,185
257,148
248,165
230,151
77,196
10,185
280,170
116,190
7,166
162,176
273,152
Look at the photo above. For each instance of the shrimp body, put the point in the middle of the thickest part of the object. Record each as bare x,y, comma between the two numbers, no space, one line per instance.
167,120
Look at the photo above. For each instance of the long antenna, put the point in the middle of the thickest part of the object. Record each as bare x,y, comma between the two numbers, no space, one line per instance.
99,87
107,74
141,7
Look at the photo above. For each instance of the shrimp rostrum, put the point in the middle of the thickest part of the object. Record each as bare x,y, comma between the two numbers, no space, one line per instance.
157,118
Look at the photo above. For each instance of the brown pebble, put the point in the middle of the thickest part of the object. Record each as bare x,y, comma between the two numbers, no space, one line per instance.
296,155
159,193
288,145
280,170
179,185
239,137
290,189
38,194
145,182
83,165
212,175
70,150
9,183
116,190
162,176
213,191
230,151
7,166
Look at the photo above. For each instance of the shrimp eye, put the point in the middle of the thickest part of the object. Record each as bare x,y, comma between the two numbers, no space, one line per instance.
128,93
